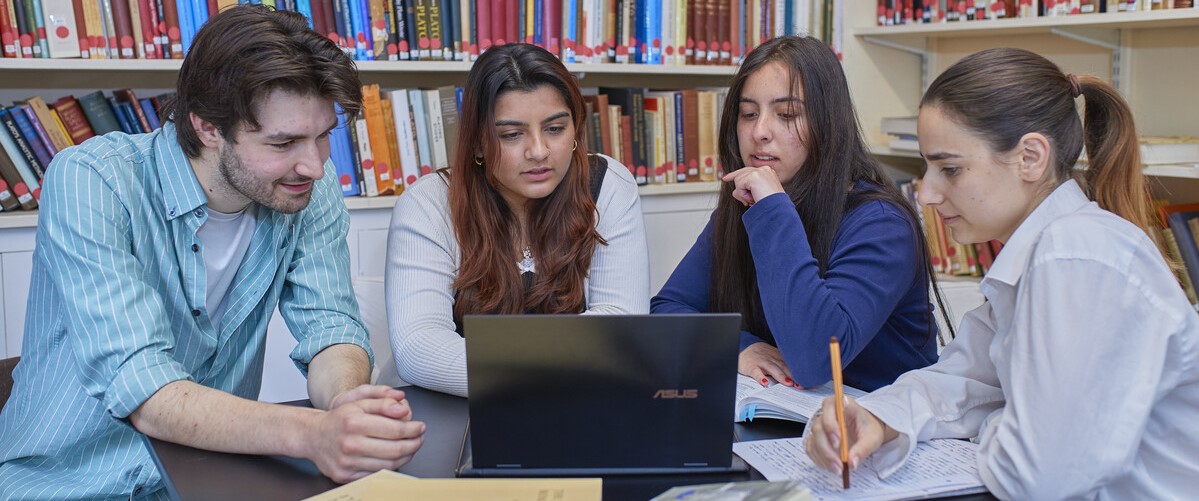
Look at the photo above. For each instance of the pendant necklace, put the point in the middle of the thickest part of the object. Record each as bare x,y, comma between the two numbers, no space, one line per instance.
527,265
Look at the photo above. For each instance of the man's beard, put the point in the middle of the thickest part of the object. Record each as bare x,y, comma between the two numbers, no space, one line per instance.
238,178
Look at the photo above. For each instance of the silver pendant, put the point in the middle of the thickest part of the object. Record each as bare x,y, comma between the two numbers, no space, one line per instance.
527,265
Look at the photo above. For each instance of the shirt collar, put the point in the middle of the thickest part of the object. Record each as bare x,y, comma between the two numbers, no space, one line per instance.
181,190
1010,264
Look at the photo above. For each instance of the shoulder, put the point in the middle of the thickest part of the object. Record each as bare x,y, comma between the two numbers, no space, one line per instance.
1094,234
618,179
876,213
106,154
430,190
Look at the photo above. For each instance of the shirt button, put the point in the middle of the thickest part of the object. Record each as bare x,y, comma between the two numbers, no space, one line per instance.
171,212
199,213
195,247
195,313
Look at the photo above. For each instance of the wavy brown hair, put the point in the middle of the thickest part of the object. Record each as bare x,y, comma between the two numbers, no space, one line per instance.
1002,94
243,54
561,227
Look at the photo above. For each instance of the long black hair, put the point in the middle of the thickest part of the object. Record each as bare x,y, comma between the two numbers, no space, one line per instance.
837,159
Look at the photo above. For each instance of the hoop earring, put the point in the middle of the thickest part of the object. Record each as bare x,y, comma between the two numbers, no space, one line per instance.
479,160
576,146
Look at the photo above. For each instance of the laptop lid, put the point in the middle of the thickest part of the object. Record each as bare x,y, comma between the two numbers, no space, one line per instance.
600,394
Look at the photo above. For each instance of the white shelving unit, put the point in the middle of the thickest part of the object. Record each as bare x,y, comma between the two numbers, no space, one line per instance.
1150,56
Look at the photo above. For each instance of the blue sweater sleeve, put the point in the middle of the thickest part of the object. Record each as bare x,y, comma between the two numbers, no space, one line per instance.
688,288
872,265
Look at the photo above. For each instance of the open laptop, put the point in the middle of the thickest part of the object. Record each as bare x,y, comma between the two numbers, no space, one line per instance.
600,394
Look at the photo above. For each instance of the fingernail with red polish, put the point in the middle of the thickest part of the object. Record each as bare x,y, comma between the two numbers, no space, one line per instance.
789,380
764,381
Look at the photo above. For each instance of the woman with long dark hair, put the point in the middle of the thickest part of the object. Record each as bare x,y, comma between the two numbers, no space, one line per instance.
1079,377
524,220
809,239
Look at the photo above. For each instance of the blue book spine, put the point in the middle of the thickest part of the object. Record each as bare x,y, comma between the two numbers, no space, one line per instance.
343,159
151,115
19,159
122,117
641,31
186,29
305,8
572,32
356,27
199,13
538,20
789,17
654,32
30,135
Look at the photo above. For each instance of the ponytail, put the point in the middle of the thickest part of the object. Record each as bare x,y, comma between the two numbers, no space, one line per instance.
1114,177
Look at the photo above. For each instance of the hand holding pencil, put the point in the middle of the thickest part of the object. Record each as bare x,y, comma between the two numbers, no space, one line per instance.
864,432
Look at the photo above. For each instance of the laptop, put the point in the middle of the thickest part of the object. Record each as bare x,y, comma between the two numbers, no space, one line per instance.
568,395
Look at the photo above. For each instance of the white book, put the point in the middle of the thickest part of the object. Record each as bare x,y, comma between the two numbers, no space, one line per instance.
779,401
936,468
416,99
436,131
366,158
405,136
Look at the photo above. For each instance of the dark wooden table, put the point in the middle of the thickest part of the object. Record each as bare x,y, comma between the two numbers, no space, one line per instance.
193,474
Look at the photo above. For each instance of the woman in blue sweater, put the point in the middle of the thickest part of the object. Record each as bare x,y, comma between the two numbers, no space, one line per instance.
809,239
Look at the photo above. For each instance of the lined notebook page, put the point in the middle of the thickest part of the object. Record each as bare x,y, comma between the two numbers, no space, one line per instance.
937,467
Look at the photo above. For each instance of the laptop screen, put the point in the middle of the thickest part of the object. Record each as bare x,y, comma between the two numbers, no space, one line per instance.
601,392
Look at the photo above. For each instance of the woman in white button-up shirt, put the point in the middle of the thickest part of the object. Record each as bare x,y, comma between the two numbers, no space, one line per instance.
1079,377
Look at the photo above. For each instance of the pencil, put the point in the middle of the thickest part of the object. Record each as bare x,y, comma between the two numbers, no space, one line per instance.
834,350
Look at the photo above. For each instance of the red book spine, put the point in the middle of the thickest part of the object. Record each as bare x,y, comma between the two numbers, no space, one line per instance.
499,22
174,38
8,34
147,11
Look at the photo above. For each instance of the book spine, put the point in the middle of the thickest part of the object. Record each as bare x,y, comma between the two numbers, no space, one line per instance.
148,13
14,178
366,158
99,113
405,136
39,28
8,36
18,158
123,33
8,201
39,131
151,115
416,99
436,132
73,119
62,35
376,136
22,144
342,158
127,96
58,137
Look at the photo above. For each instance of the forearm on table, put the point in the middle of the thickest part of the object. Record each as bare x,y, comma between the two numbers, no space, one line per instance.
336,369
191,414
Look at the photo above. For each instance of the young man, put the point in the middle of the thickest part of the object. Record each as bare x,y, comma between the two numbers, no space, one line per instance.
160,259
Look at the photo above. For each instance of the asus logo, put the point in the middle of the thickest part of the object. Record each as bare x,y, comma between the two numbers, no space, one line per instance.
692,393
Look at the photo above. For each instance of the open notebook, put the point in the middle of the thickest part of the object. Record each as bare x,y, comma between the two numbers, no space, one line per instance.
781,402
936,468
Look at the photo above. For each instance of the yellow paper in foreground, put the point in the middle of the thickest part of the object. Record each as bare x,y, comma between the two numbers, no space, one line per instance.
389,485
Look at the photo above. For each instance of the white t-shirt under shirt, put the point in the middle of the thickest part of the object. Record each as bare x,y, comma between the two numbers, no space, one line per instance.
224,239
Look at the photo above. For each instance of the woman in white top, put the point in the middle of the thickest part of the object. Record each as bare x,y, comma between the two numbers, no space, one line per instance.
524,221
1079,377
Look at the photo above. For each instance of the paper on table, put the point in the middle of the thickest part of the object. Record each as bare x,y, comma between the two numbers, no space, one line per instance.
935,467
392,486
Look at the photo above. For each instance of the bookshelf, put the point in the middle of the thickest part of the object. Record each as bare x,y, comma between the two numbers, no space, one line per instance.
674,214
1147,55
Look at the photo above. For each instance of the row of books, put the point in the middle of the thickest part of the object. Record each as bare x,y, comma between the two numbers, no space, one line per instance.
33,132
672,32
1179,232
893,12
403,134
